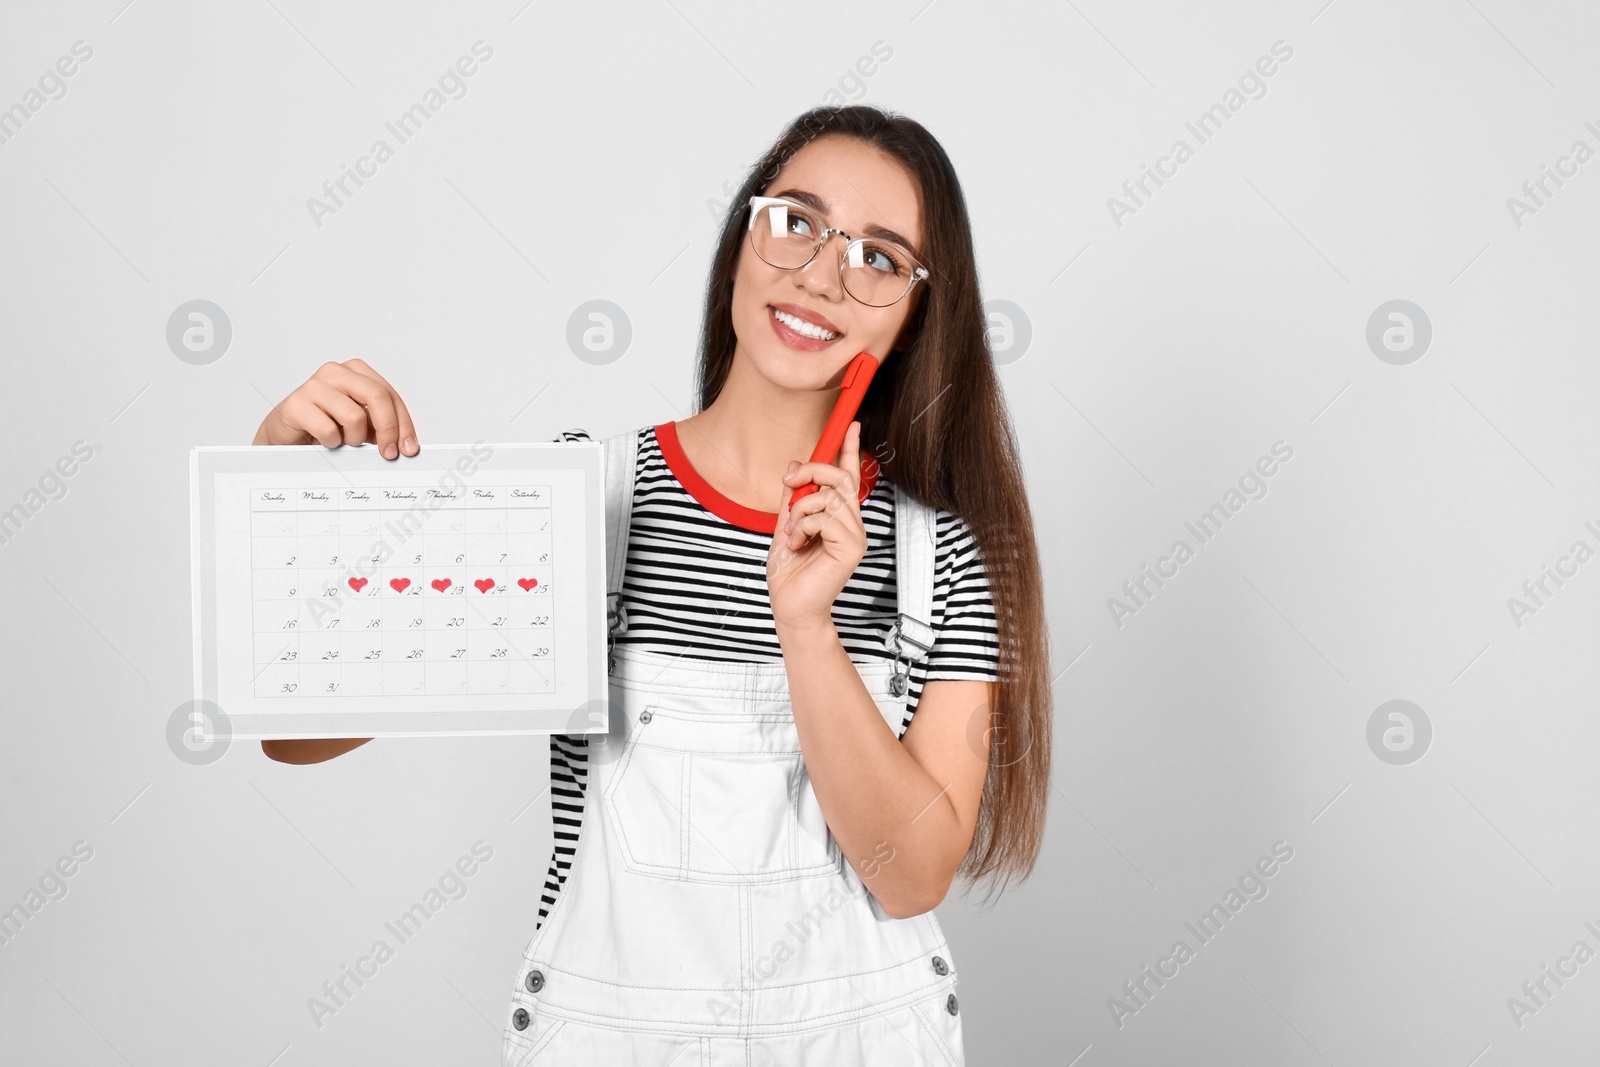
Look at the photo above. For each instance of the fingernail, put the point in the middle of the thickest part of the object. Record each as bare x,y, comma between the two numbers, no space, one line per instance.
411,445
390,452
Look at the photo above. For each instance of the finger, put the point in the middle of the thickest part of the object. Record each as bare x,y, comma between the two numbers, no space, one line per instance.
407,432
827,526
342,407
824,474
805,526
838,507
812,503
819,512
809,525
839,492
278,428
328,389
302,415
785,508
382,420
804,503
383,423
781,532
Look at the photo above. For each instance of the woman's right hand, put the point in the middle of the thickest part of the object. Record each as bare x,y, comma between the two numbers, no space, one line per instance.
342,404
345,403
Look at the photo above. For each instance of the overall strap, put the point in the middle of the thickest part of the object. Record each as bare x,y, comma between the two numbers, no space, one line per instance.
620,454
915,541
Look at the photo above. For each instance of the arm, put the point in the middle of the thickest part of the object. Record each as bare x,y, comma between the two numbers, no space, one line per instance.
342,403
903,812
307,750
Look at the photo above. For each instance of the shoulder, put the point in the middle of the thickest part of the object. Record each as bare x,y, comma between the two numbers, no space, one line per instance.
958,556
951,527
576,434
953,536
966,643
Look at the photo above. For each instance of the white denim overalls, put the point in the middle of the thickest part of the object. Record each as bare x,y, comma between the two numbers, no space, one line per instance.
709,918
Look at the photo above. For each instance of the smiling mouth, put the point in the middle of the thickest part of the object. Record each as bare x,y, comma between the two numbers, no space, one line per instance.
802,327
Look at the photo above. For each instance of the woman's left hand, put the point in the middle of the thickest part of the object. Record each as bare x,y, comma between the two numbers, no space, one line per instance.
820,541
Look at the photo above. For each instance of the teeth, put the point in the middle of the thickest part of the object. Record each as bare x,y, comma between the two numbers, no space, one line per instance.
801,326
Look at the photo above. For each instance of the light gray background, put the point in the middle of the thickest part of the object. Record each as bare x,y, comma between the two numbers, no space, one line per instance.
1166,356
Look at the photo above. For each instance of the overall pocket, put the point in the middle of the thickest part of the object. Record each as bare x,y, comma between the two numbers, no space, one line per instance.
518,1047
716,798
942,1027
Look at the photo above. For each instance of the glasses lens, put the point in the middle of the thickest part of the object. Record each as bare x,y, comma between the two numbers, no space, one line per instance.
876,272
784,235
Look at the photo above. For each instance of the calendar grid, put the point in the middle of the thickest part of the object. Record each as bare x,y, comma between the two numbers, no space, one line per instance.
402,590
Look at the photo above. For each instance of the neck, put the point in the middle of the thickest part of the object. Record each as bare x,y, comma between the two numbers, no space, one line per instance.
754,428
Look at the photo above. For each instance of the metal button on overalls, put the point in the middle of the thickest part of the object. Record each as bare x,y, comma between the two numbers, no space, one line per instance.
535,981
709,913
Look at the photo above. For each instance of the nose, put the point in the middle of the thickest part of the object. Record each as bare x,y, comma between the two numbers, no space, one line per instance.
821,275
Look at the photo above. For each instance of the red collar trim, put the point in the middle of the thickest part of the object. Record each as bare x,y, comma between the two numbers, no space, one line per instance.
746,518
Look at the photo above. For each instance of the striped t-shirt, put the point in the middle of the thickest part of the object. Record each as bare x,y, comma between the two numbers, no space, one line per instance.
696,579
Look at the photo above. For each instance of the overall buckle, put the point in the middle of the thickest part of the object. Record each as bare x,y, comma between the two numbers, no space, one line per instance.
616,623
897,640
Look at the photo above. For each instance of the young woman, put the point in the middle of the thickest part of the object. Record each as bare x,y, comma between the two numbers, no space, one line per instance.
823,711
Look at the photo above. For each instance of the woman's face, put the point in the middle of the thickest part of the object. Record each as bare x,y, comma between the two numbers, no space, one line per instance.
857,186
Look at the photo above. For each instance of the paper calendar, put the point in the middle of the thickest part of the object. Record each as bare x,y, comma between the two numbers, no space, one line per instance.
458,591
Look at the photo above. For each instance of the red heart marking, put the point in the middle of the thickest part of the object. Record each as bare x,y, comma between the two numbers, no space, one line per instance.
357,583
399,584
527,583
441,584
484,584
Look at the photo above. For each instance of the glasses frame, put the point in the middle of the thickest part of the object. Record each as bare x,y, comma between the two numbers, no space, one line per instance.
757,203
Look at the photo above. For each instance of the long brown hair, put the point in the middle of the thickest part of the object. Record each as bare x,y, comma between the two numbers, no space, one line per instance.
962,458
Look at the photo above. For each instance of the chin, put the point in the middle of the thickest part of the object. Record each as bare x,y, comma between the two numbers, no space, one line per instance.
801,371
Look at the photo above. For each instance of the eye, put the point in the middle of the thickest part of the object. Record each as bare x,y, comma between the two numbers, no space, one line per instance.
801,224
880,258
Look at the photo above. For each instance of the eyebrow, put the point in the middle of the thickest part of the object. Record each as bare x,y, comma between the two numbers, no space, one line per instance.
872,229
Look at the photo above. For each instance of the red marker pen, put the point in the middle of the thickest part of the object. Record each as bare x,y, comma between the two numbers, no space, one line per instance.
856,378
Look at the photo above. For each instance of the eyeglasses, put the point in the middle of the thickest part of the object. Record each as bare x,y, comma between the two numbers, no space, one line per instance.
874,271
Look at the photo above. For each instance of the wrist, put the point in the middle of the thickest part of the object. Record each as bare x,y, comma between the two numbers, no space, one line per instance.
796,633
